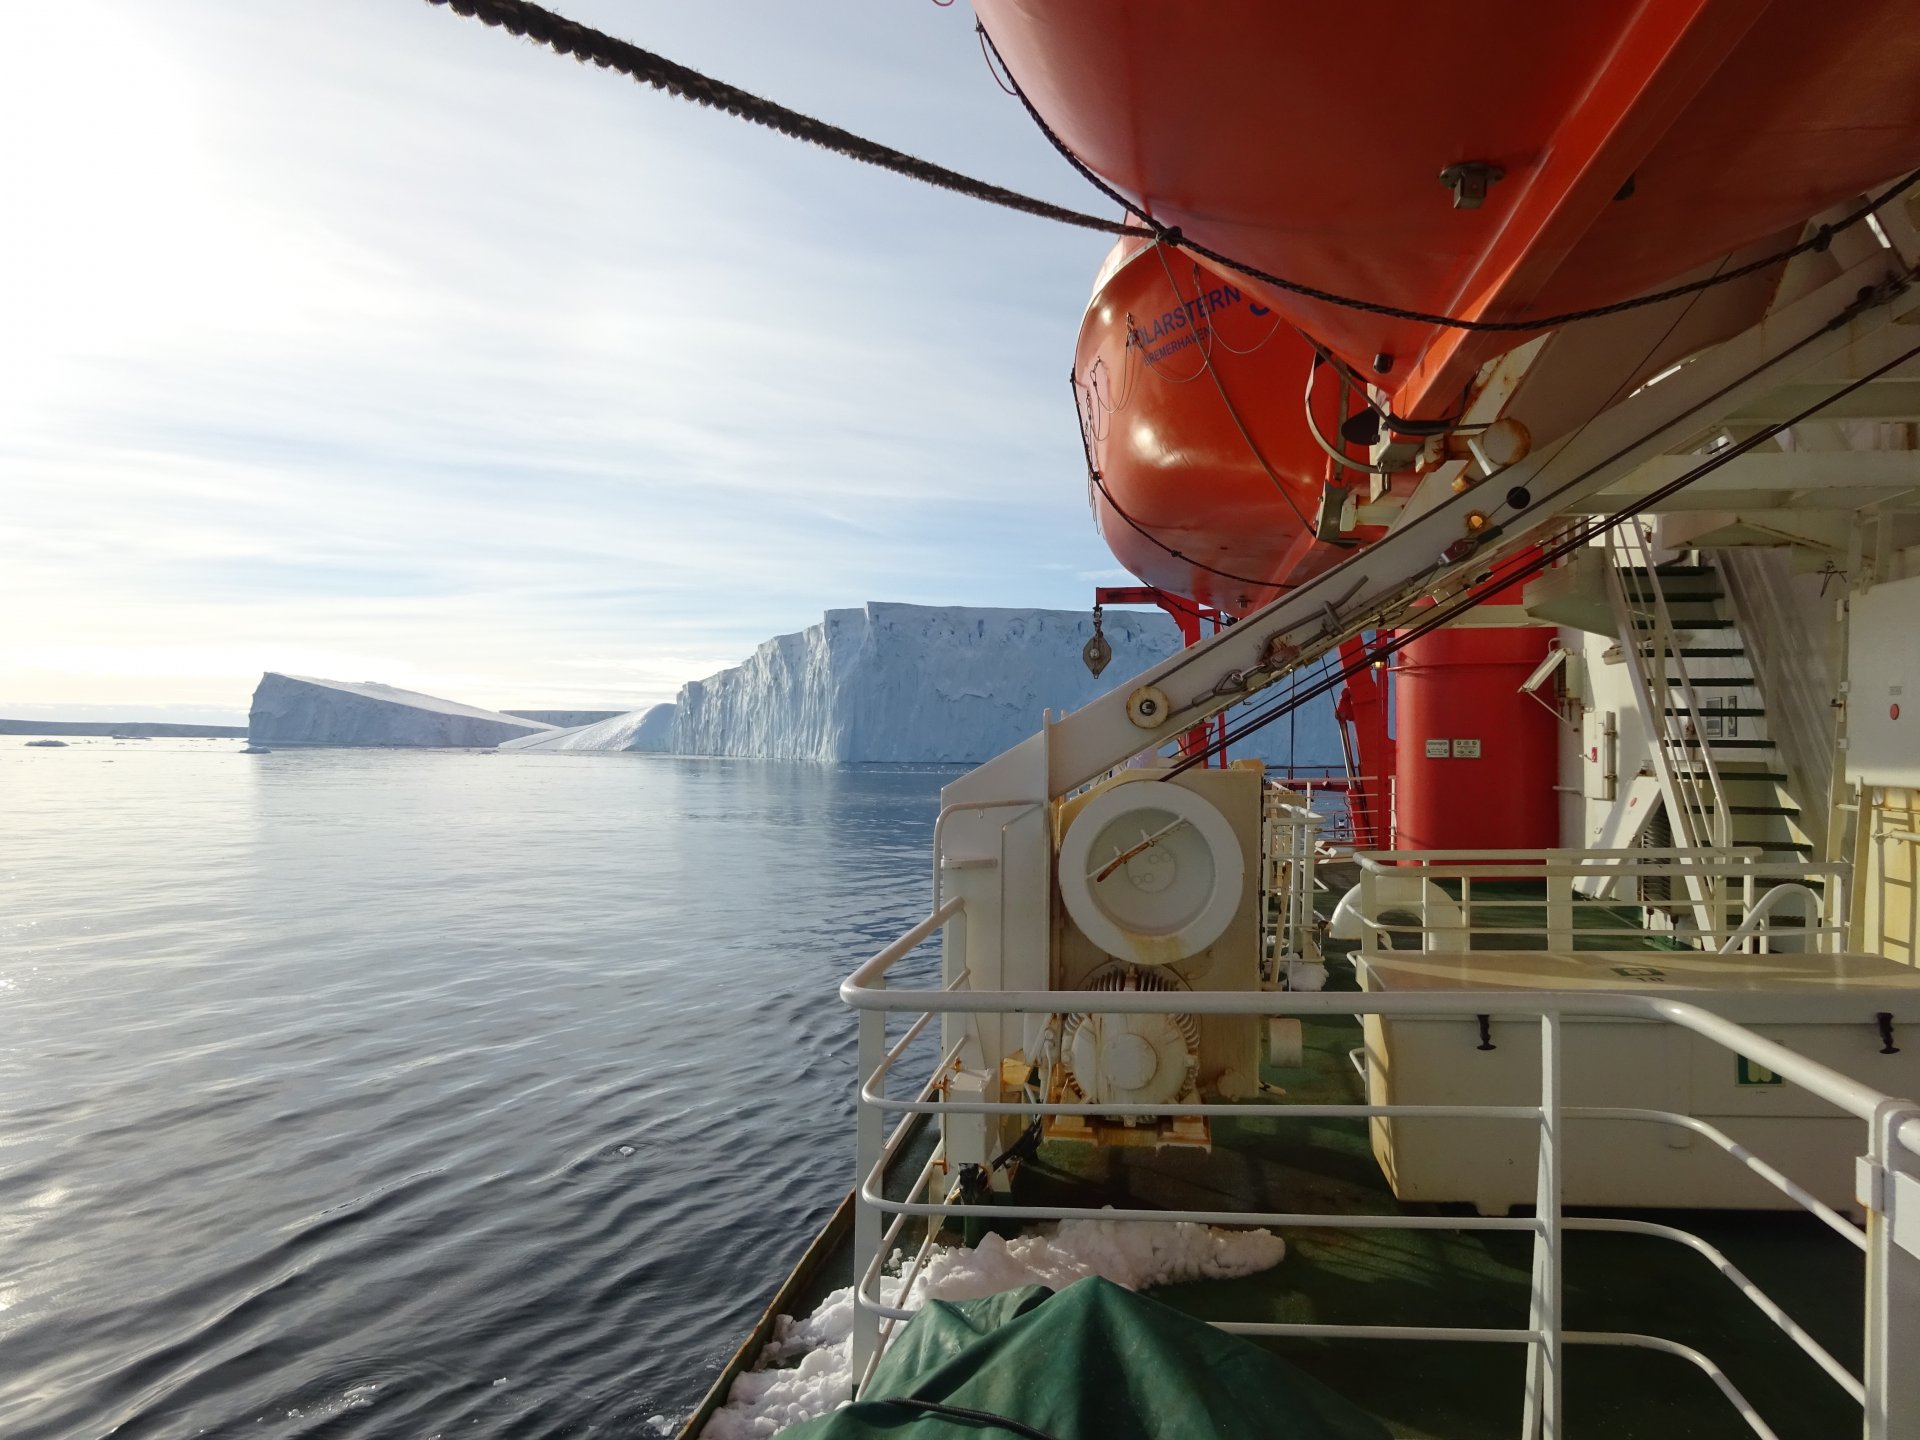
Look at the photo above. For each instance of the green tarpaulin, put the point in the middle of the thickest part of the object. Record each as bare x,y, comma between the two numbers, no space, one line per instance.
1091,1362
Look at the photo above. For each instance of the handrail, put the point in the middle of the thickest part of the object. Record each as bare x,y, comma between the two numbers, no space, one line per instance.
1766,905
1762,1301
1821,1211
940,829
876,968
1827,1083
1894,1125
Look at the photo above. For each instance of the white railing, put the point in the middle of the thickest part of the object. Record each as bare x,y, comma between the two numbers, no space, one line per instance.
1291,847
1405,882
1888,1183
1689,775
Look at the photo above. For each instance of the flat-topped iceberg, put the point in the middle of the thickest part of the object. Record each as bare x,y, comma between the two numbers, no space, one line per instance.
896,682
302,710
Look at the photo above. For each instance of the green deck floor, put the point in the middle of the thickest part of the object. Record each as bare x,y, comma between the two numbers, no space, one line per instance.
1462,1390
1465,1391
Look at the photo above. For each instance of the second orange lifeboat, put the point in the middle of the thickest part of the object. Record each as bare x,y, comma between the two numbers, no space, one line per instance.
1193,399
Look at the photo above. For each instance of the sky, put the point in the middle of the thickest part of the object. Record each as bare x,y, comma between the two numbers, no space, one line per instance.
351,338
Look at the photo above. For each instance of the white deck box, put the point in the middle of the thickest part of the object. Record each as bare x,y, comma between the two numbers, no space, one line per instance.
1823,1006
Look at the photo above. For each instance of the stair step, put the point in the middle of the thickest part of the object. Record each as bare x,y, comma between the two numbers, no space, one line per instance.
1756,809
1674,597
1709,624
1699,772
1799,847
1728,744
1698,652
1664,570
1745,712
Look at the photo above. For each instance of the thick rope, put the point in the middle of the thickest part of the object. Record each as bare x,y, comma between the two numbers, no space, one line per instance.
583,43
1172,235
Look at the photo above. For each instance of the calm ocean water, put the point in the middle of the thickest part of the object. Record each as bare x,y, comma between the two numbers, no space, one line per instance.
375,1093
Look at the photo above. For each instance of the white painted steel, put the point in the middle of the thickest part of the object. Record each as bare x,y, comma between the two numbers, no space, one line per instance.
1376,581
1546,1373
1896,1151
1181,905
1685,1352
1824,1212
1752,926
1398,880
1697,812
1893,1273
1762,1301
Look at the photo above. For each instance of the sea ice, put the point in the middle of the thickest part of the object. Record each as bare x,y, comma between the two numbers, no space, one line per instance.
1136,1254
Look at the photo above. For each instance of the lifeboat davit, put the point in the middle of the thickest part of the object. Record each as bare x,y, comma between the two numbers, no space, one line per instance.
1595,150
1193,398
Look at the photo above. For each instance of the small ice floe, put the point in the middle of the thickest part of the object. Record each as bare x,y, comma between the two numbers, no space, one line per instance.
627,1150
48,744
1137,1254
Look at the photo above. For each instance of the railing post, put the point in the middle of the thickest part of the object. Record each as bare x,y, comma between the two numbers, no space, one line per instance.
869,1137
1559,912
1544,1374
1890,1193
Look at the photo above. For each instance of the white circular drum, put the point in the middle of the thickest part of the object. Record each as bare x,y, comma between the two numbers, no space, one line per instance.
1151,872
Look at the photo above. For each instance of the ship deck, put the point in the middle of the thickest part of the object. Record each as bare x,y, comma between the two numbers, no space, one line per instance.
1434,1390
1427,1390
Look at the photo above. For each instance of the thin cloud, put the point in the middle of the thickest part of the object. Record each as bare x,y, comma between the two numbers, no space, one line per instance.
355,335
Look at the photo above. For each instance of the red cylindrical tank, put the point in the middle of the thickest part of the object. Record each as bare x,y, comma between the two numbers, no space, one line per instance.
1475,759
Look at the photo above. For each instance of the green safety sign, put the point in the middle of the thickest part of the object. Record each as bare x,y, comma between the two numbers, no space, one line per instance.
1750,1073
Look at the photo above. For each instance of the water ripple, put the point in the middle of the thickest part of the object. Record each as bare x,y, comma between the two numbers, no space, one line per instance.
357,1094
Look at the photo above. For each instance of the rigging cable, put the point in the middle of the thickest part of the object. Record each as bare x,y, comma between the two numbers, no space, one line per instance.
1233,414
1172,235
584,43
1493,582
1099,483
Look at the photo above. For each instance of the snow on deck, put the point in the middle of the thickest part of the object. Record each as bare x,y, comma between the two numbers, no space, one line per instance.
778,1392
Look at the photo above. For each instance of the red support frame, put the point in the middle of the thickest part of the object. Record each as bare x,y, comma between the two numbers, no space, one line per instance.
1363,704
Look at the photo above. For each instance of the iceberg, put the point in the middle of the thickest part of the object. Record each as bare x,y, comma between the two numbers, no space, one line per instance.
649,729
302,710
941,684
565,719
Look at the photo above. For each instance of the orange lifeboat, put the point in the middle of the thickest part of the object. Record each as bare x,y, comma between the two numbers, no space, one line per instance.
1193,394
1486,159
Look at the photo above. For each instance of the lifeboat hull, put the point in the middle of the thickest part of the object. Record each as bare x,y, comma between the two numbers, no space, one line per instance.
1192,400
1635,142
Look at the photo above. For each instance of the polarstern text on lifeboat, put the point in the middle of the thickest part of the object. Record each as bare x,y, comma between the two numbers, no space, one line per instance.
1187,318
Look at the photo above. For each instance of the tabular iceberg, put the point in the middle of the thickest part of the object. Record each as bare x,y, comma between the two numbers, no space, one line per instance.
300,710
895,682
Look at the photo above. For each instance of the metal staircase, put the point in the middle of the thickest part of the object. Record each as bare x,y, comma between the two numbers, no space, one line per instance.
1722,778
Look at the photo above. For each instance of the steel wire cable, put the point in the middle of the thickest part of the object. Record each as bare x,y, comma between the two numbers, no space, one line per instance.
1495,580
584,43
1173,235
1099,483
